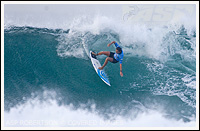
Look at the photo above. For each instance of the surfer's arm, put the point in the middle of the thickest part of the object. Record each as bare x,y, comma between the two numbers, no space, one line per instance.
111,43
121,70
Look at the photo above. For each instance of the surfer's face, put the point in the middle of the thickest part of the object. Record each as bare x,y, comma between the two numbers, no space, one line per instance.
117,51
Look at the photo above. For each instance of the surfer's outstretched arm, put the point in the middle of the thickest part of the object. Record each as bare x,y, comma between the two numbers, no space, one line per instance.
121,74
111,43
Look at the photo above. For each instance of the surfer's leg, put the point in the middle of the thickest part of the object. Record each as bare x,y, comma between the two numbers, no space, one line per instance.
107,53
105,63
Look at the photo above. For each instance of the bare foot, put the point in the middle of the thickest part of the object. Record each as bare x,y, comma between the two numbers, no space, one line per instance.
94,54
100,68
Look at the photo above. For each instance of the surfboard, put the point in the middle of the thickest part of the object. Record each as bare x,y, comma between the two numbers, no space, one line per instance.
96,64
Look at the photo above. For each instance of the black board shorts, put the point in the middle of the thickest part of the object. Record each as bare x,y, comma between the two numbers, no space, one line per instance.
112,56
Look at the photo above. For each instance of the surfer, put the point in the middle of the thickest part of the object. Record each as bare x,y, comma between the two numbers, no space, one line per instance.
112,57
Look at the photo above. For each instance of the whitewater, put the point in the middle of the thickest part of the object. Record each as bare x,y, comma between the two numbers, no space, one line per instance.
49,80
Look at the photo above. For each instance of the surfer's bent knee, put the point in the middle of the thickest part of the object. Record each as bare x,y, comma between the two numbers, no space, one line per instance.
109,59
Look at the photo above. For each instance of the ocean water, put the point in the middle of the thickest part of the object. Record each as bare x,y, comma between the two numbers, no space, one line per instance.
50,81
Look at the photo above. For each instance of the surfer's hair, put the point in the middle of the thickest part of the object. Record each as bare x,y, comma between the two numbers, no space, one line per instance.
119,49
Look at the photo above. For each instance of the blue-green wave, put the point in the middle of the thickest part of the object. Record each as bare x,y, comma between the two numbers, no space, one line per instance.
57,59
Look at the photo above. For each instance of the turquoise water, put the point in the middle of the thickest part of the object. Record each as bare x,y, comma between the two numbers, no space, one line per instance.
43,59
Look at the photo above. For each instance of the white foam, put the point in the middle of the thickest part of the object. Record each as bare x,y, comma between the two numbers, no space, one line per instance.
36,113
190,80
172,87
135,39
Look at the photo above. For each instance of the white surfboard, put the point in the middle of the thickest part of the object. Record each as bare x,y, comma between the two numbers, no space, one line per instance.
96,64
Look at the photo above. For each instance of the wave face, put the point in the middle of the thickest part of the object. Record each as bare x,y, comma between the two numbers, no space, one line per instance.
49,70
